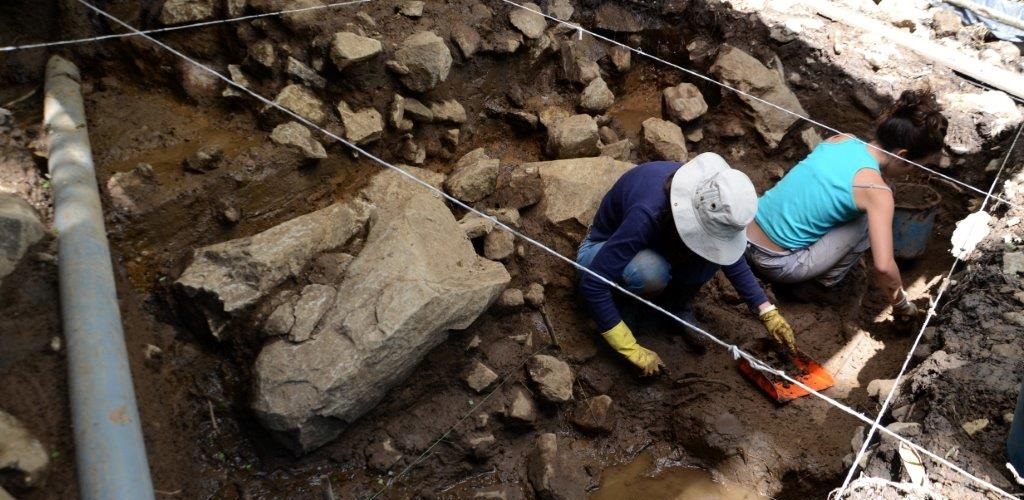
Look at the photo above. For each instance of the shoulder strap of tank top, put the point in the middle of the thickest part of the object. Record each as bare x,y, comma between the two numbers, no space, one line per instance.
873,186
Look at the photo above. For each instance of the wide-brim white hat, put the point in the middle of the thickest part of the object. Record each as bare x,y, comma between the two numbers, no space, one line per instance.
712,204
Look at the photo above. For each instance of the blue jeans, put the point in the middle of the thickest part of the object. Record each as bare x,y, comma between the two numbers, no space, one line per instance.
647,275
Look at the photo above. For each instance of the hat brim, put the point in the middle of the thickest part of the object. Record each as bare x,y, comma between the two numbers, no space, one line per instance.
721,251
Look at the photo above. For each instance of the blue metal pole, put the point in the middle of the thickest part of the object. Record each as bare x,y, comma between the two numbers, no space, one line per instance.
109,449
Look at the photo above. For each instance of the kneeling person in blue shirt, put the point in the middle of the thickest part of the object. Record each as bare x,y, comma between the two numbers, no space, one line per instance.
665,229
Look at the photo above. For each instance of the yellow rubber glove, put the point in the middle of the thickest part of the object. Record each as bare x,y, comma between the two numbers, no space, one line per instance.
778,329
622,340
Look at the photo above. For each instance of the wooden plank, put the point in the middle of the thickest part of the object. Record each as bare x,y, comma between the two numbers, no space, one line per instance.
994,76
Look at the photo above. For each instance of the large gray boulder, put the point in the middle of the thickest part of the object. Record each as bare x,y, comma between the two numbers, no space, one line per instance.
19,229
528,21
227,279
416,277
422,62
741,70
571,190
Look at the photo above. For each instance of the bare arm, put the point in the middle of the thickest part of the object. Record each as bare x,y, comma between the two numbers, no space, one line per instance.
879,205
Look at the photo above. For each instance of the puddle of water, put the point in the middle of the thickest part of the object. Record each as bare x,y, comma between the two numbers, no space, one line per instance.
646,478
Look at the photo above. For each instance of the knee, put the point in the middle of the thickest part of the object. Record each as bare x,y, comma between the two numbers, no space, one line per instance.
647,274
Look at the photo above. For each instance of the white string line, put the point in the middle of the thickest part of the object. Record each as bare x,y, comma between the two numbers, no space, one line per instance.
176,28
931,314
732,348
696,74
506,378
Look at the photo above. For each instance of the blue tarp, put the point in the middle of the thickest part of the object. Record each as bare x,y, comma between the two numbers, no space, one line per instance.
1001,31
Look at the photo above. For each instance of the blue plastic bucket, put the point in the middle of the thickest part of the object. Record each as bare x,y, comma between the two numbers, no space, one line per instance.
1015,444
914,219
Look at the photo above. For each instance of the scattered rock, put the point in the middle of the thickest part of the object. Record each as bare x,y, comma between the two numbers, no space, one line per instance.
573,137
466,39
448,111
741,70
301,101
20,453
811,138
296,135
1013,263
619,150
228,214
422,62
366,20
508,216
262,52
683,103
382,455
974,426
572,189
478,445
518,187
946,23
412,8
363,126
596,96
552,376
694,135
594,414
551,115
560,9
531,24
511,298
20,228
503,42
613,17
521,408
621,58
417,111
476,226
499,492
578,63
535,294
554,472
186,11
411,151
880,388
281,321
237,76
904,429
473,177
199,85
299,70
479,376
607,135
499,245
203,160
349,48
150,352
663,140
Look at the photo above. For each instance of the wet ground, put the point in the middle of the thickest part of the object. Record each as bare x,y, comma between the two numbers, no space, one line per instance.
204,443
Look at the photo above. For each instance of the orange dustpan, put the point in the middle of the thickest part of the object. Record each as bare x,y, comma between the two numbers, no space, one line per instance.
808,372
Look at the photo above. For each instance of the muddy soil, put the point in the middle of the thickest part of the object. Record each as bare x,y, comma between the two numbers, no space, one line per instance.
193,392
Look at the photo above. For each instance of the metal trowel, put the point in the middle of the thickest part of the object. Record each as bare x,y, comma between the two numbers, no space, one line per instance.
808,372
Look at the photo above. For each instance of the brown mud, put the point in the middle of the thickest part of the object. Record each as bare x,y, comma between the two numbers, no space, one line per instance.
915,196
202,440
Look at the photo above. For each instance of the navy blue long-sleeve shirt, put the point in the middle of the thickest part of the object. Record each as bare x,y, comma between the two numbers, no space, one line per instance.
633,216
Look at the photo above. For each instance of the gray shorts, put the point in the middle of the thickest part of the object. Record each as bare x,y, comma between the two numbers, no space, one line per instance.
827,260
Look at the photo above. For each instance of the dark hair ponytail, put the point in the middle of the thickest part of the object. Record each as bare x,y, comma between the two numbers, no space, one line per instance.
914,122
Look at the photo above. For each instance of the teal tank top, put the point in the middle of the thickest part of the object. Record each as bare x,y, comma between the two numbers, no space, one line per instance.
815,196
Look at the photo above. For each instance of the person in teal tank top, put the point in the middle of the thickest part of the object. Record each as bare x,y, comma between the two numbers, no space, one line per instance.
817,222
